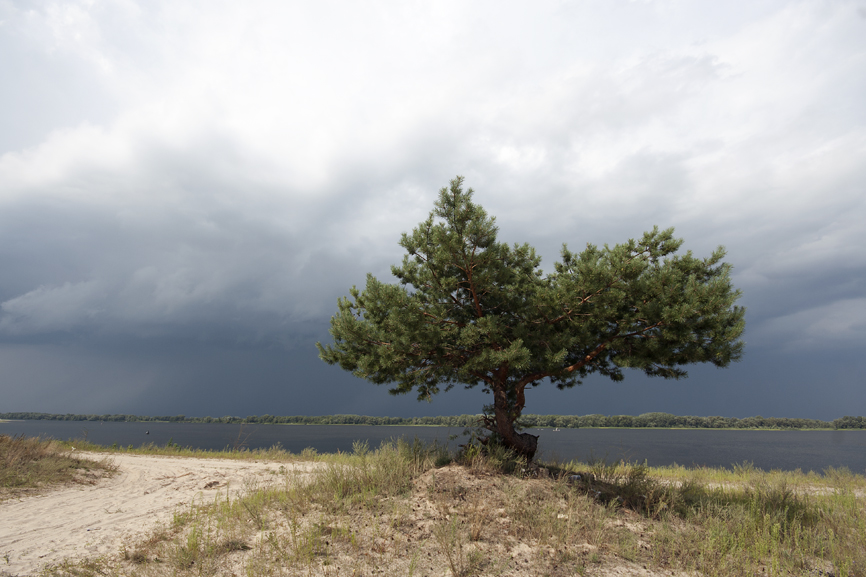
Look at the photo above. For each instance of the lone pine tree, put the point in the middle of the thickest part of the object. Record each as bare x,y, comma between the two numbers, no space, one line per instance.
471,310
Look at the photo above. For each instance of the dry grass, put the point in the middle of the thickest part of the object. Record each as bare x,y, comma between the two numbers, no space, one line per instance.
393,511
28,464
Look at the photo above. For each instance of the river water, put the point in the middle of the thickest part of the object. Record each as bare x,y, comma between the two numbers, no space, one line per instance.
785,450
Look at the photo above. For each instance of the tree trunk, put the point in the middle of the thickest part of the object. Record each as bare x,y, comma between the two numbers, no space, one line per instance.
523,444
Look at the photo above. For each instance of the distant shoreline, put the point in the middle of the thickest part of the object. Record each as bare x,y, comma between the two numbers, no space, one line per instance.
530,421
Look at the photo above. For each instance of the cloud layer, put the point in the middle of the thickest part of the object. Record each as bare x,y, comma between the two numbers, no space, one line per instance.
216,174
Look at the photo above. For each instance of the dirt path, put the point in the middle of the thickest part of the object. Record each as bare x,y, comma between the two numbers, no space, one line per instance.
89,521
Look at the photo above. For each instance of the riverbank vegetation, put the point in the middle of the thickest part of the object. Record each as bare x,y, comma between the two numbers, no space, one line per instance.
275,453
646,420
28,464
411,509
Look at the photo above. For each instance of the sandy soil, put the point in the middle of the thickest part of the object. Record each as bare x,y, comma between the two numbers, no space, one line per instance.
94,520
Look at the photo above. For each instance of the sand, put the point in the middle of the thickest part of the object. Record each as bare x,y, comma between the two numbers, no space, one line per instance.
94,520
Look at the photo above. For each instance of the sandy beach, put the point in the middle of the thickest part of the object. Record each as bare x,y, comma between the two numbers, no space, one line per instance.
94,520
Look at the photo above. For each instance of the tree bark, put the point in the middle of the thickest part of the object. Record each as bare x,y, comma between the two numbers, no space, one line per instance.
523,444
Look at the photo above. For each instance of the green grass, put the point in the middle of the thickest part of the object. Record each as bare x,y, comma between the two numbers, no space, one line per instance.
744,521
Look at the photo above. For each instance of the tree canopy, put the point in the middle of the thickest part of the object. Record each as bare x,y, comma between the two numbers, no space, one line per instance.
471,310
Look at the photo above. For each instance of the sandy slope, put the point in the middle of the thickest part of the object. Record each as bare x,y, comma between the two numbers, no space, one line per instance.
80,521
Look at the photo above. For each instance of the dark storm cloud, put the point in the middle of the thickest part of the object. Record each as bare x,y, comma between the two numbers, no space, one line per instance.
182,202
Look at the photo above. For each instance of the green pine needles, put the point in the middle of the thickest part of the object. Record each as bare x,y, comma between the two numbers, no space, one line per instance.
471,310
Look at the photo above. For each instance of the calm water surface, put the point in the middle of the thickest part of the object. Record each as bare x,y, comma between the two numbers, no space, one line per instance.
786,450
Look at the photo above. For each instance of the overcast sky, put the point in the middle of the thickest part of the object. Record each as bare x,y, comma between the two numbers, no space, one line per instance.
186,188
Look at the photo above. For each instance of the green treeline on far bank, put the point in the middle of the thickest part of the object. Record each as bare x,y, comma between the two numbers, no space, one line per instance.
646,420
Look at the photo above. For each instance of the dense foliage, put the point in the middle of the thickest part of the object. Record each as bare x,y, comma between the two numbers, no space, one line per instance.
646,420
474,311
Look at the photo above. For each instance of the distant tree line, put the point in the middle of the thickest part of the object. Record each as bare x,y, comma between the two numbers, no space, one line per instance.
646,420
113,418
666,420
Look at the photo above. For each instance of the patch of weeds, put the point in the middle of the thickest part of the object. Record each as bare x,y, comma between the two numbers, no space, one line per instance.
840,477
253,501
777,504
768,522
449,537
623,485
744,470
179,519
554,515
477,517
27,462
137,557
191,550
413,563
88,567
273,453
364,476
302,545
230,545
423,456
489,455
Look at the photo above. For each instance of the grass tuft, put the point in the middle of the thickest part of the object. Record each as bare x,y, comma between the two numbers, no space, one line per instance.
27,463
